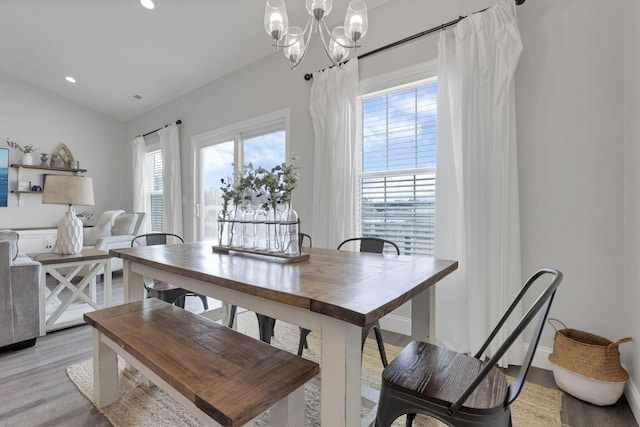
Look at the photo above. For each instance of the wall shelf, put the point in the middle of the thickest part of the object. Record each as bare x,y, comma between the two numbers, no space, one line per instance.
25,192
48,168
20,167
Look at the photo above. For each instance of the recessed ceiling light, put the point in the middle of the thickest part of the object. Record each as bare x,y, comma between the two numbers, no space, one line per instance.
147,3
70,79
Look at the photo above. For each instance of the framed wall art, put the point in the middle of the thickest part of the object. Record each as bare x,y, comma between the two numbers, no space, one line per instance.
4,177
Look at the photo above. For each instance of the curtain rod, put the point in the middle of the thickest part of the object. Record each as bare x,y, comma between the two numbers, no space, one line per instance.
178,122
440,27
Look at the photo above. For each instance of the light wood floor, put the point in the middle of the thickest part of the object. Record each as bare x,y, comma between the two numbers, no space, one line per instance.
35,390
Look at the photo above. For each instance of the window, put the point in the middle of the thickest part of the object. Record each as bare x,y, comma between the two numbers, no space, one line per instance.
260,141
398,166
154,190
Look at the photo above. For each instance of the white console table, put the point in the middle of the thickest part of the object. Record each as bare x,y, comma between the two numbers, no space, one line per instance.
34,240
64,268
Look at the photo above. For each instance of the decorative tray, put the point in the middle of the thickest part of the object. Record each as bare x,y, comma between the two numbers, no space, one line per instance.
285,257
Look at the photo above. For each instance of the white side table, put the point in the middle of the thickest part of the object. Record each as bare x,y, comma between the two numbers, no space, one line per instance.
64,269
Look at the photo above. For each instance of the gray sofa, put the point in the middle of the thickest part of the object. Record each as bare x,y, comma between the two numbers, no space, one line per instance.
19,295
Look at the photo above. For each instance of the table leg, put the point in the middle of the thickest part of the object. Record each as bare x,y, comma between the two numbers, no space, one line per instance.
421,316
107,283
340,374
289,411
133,284
105,372
43,302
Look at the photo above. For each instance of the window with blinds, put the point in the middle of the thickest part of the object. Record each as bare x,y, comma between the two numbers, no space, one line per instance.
154,190
398,166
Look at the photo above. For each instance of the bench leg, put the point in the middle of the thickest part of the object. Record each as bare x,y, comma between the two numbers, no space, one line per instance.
105,372
289,411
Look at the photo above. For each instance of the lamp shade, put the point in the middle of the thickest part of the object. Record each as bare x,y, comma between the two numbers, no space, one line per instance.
68,190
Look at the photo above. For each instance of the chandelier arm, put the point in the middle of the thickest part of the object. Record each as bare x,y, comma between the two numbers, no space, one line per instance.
347,46
324,42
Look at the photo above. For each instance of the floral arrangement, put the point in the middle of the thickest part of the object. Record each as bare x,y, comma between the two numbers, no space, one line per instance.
25,149
276,184
270,187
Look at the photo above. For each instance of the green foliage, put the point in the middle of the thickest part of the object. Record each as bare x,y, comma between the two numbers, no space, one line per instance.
277,184
25,149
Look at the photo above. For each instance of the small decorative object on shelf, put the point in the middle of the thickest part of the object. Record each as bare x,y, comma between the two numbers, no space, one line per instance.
61,157
44,159
27,151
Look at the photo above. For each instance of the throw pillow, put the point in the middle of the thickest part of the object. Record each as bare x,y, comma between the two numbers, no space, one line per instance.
11,236
92,234
124,224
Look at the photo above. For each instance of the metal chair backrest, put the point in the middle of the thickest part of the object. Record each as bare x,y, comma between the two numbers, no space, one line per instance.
371,244
305,236
539,308
155,239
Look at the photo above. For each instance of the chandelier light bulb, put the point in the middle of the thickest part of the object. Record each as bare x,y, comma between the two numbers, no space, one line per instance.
294,45
338,46
276,22
147,4
356,22
319,8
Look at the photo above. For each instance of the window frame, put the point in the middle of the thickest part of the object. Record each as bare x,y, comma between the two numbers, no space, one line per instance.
398,80
237,132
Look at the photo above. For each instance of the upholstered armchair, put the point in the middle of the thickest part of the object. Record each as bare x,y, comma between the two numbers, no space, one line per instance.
114,229
19,295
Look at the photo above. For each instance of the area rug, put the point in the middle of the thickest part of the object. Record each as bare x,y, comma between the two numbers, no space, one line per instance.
141,405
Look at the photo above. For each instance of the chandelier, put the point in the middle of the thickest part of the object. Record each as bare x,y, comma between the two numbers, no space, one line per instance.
342,41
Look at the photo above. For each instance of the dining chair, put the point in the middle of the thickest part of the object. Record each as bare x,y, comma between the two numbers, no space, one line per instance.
162,290
372,245
302,238
266,324
460,389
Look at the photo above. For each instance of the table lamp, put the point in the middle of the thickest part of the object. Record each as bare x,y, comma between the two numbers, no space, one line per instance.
69,190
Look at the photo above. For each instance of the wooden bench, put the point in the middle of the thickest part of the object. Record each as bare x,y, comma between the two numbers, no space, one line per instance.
214,372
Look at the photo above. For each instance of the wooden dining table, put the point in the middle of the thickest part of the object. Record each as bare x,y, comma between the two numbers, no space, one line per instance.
334,292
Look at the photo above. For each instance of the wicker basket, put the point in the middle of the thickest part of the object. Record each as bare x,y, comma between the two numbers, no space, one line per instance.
587,365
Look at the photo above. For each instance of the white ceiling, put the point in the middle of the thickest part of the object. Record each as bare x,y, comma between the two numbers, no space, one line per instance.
116,49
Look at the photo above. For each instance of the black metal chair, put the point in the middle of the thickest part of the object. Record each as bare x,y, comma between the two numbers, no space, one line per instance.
372,245
459,389
305,236
266,324
162,290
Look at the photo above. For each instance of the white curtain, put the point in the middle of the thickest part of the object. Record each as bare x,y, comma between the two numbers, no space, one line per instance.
139,152
477,210
333,103
172,203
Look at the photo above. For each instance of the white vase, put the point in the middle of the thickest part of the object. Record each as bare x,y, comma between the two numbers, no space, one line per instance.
27,158
70,237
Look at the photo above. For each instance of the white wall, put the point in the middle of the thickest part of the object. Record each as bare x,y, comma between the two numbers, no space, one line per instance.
570,104
30,115
570,138
631,290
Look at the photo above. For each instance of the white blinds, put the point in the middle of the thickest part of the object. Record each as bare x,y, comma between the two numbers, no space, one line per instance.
397,179
154,189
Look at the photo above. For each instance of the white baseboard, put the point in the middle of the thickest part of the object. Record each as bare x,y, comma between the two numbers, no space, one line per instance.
397,324
541,357
632,394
